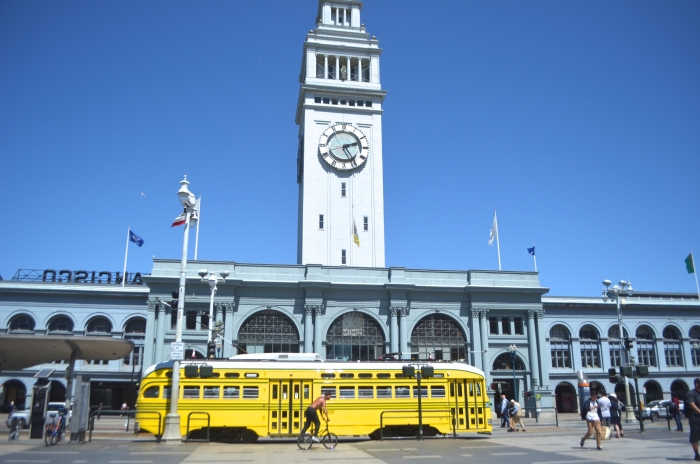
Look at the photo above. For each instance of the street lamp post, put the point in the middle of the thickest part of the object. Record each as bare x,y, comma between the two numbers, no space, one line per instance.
212,280
171,434
513,349
623,288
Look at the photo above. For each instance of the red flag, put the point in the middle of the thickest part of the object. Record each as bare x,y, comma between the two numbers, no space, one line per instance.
180,220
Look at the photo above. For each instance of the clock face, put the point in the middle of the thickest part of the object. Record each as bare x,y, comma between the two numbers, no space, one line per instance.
344,146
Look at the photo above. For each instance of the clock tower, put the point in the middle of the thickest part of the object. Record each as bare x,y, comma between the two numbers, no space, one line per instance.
339,164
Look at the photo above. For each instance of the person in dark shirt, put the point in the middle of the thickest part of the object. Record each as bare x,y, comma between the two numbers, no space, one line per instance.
692,410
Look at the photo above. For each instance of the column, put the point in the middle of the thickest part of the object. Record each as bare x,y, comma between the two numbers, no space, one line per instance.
532,345
150,329
545,356
308,329
476,340
318,336
393,329
349,77
337,68
403,333
483,323
229,350
160,332
325,66
359,69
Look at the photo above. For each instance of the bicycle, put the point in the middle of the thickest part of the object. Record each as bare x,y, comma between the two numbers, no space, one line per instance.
55,432
329,440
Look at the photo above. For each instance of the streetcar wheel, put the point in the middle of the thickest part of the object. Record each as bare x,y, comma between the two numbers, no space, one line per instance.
304,441
330,441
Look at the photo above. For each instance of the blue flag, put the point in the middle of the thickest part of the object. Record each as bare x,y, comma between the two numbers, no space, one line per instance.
135,238
531,250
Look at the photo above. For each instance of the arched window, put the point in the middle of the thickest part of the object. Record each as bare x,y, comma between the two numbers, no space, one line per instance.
560,347
646,355
61,324
268,332
590,352
21,322
615,345
99,325
504,362
438,337
614,332
354,336
695,343
673,347
135,330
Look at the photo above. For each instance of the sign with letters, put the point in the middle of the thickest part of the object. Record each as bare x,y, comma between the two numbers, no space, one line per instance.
177,351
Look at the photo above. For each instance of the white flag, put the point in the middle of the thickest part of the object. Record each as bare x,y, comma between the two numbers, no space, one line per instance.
494,229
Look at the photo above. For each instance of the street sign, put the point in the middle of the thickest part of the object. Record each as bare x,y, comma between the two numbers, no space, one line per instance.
177,351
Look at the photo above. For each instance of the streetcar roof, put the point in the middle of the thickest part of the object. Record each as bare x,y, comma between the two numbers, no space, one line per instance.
313,363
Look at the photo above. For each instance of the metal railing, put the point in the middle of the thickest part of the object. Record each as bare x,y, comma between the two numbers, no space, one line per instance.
189,417
537,412
426,413
130,413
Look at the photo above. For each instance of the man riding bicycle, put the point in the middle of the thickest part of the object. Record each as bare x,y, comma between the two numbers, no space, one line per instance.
311,414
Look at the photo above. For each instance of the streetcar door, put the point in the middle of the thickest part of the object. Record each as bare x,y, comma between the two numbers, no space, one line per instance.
288,400
458,404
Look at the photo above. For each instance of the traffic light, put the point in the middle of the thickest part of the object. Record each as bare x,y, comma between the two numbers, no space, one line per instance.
408,371
642,371
626,371
628,344
612,375
211,350
427,371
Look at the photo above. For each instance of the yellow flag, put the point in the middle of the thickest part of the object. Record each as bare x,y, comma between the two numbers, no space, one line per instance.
355,237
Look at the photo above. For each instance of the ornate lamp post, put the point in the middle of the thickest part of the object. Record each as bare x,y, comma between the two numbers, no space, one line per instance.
212,280
623,288
513,349
171,434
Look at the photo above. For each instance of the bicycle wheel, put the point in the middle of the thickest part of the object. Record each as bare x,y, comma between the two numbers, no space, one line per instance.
330,441
304,441
51,436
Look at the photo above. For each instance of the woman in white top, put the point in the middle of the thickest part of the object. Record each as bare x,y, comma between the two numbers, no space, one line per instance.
593,423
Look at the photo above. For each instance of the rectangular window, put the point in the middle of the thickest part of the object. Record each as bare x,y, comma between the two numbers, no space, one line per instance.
437,392
403,392
334,101
505,325
343,257
589,355
518,321
360,102
167,392
645,353
423,391
493,325
342,189
232,393
211,392
352,102
250,393
615,356
320,221
365,392
368,104
347,393
561,357
317,99
330,390
696,355
383,392
672,351
326,100
191,320
190,392
365,223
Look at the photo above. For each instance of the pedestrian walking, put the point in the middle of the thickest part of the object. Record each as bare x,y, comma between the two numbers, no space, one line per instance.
125,407
675,408
604,408
593,423
616,414
504,411
692,412
10,410
516,416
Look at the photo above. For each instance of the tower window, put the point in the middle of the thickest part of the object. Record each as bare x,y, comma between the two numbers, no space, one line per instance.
343,257
342,189
368,104
317,99
334,101
352,102
320,221
365,224
360,102
326,100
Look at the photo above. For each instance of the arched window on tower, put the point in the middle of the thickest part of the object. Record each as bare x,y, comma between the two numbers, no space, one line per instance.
560,347
646,355
504,362
21,323
438,337
60,324
673,347
354,336
590,352
99,326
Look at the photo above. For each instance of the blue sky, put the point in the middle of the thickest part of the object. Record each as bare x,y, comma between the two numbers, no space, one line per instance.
577,121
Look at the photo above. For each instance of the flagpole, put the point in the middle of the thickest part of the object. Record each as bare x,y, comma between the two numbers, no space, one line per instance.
126,254
199,217
498,244
695,271
534,257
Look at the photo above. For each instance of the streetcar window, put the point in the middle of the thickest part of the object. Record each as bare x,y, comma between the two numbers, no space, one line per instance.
190,392
403,392
151,392
364,376
347,376
437,392
167,392
169,374
423,392
452,390
216,375
232,375
399,376
211,392
383,392
366,392
478,389
383,376
347,392
326,375
274,392
250,393
251,375
330,390
232,393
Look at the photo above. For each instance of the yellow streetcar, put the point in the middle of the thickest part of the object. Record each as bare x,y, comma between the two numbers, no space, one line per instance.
265,395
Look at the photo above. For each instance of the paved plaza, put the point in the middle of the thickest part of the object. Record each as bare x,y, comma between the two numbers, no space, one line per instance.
543,443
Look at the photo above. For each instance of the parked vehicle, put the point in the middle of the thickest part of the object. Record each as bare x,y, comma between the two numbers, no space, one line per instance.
51,411
658,409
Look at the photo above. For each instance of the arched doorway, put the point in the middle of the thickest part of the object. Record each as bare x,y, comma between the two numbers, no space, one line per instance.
14,390
438,337
355,336
597,387
503,374
58,391
565,395
620,392
269,331
680,389
653,391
